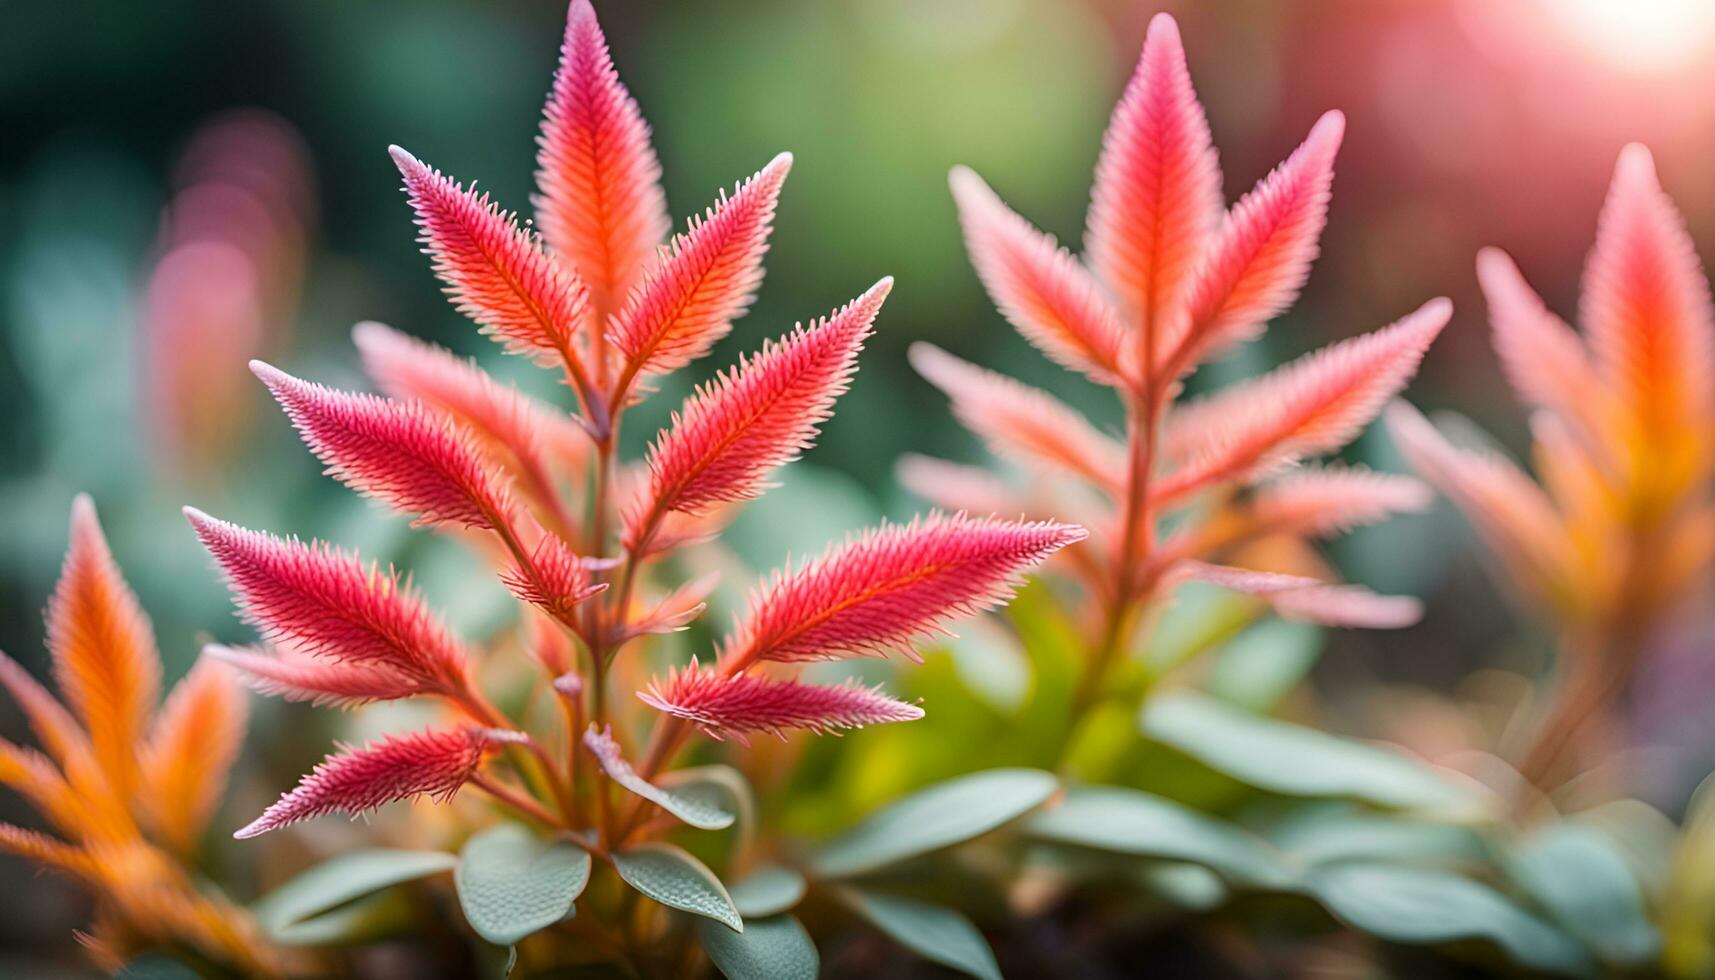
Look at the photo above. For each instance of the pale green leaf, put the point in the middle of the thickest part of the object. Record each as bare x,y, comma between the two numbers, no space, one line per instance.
772,948
511,883
1575,873
1255,669
1294,760
343,879
1321,833
697,809
1423,906
769,889
940,816
1128,821
677,880
937,934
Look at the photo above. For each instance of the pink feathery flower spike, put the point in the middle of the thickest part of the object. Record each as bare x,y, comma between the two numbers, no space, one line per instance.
703,281
399,453
744,704
531,432
328,604
1045,292
555,580
955,487
325,683
1327,500
1313,405
601,206
1261,256
1307,599
398,767
1019,422
1157,194
754,418
496,273
889,587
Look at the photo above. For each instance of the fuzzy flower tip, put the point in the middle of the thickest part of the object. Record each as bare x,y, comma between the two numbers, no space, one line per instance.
329,604
398,767
400,453
732,432
891,586
746,704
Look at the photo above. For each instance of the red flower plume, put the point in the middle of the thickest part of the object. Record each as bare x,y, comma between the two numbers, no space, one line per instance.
325,683
705,280
397,452
885,589
748,421
601,206
327,603
398,767
740,705
497,274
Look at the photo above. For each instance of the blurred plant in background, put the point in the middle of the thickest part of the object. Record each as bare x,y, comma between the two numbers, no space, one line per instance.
127,785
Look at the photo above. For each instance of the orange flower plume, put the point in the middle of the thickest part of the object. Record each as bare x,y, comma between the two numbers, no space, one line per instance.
1620,531
399,767
129,786
1170,279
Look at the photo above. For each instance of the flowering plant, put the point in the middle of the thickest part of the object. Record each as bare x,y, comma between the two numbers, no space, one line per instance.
597,298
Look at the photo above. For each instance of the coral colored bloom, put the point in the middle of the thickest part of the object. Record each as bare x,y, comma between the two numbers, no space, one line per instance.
601,206
397,452
193,744
741,705
397,767
497,274
327,603
882,591
746,422
326,683
1020,422
703,281
1328,500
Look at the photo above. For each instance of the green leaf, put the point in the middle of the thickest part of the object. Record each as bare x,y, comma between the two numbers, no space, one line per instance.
940,816
1128,821
367,918
343,879
1421,906
1255,669
1576,874
1323,833
773,948
937,934
511,884
718,787
1294,760
676,879
700,810
1188,886
769,889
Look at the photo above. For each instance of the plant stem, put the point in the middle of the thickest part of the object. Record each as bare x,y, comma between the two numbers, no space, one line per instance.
517,801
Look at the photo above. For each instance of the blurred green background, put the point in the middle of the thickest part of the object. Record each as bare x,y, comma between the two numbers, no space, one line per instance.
1470,123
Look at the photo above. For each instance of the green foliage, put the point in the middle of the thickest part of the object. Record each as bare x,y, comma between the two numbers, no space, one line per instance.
940,816
771,948
511,884
769,889
677,880
1576,874
938,934
293,913
1418,905
1293,760
1126,821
